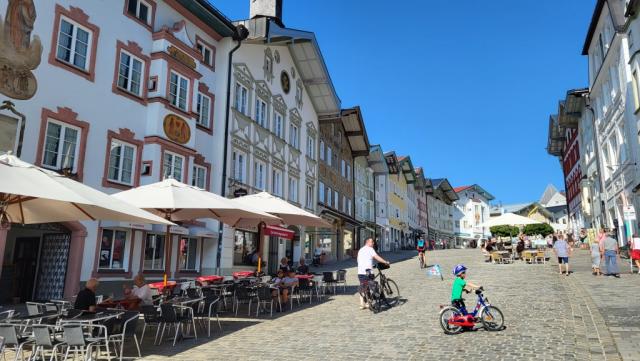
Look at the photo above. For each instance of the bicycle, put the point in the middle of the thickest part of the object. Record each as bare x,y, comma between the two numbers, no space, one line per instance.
374,292
453,320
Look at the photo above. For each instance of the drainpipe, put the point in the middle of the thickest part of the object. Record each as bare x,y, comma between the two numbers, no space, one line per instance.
240,34
598,164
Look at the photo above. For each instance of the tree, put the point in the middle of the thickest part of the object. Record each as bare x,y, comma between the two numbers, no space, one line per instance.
543,229
504,231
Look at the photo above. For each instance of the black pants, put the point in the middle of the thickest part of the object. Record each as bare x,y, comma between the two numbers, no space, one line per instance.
459,304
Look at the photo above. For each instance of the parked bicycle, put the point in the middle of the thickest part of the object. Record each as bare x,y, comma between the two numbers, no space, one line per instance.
453,320
375,292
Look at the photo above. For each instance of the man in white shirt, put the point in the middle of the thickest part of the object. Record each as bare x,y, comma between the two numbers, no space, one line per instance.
141,290
366,255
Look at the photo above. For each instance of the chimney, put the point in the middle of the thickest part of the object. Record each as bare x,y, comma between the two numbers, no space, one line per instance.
266,8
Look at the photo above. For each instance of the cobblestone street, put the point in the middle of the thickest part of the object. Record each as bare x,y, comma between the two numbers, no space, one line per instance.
548,317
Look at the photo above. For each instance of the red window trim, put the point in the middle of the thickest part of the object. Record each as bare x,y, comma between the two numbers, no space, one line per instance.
183,70
166,145
78,16
64,115
152,4
126,273
134,49
127,136
199,159
204,89
213,53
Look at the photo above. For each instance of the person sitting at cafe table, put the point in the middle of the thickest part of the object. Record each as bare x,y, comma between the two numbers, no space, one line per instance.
86,299
302,269
140,291
284,265
278,281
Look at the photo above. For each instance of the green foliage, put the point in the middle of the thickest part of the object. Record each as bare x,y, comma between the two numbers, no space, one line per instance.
539,228
504,231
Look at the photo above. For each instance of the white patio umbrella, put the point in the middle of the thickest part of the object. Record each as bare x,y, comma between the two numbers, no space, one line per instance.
30,194
177,201
509,219
289,213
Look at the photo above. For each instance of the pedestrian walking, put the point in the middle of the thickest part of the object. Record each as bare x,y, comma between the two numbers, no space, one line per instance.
635,252
595,258
562,250
609,252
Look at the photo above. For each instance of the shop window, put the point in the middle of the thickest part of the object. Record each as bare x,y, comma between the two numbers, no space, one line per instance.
188,254
245,248
112,249
154,252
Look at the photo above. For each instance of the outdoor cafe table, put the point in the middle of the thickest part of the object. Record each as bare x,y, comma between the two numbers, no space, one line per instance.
127,303
160,286
91,317
304,277
38,317
204,280
242,274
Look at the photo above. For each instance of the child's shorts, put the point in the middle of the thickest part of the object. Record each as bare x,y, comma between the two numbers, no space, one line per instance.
564,260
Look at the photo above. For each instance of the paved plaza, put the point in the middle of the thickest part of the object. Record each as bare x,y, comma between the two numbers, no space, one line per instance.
548,317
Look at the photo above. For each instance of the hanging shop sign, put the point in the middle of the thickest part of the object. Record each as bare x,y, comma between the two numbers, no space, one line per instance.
276,231
176,129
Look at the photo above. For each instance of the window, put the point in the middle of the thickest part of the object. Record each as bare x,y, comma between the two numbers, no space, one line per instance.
261,113
334,162
207,53
244,248
636,89
277,125
140,9
61,146
199,177
344,204
242,98
294,136
130,73
73,44
329,156
178,91
172,166
329,197
311,147
260,175
348,171
112,249
188,254
293,189
121,156
613,148
239,166
154,252
343,168
322,157
336,199
601,46
321,197
623,148
203,108
309,196
276,183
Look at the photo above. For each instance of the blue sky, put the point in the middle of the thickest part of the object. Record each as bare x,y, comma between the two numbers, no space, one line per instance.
464,87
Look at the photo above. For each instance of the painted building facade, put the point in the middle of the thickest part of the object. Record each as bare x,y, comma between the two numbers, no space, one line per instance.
440,211
472,209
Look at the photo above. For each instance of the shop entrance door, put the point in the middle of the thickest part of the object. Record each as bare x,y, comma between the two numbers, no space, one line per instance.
273,260
53,266
25,259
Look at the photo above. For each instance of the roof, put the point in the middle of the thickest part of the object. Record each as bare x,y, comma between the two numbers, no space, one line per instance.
407,169
306,54
616,9
517,208
392,162
592,26
355,131
488,196
631,8
210,16
548,193
377,161
444,185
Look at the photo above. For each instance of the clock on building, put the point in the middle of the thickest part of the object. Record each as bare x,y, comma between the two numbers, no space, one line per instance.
285,82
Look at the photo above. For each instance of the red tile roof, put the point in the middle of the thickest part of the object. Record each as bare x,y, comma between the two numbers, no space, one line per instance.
460,189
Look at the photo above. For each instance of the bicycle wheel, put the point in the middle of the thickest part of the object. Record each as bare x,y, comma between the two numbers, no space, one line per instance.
492,318
373,297
447,314
390,292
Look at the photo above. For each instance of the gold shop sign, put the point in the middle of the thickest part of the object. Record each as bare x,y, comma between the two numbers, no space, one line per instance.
176,129
181,56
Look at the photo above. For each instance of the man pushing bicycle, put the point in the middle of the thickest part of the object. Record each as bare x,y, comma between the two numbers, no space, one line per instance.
366,255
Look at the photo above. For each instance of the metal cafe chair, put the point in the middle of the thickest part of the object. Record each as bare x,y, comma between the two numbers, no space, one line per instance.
341,278
44,340
13,340
151,318
74,337
129,325
265,297
328,281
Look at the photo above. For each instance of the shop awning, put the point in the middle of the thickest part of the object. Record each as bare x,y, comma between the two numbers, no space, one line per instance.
276,231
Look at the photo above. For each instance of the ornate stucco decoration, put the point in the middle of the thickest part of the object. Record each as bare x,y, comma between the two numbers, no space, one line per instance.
295,117
19,54
268,65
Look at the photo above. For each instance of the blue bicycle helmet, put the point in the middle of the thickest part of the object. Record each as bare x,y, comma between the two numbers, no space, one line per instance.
458,269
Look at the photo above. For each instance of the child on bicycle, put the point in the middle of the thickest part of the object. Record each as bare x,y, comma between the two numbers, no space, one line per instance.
460,284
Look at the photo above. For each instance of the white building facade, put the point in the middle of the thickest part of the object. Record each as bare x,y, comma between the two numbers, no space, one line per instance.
127,97
472,209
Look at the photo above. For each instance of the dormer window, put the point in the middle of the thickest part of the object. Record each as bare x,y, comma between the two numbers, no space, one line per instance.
207,53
